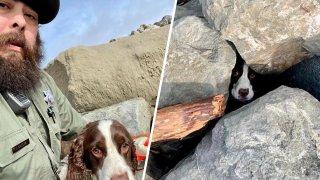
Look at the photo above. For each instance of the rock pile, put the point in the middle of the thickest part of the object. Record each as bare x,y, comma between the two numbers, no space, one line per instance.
275,137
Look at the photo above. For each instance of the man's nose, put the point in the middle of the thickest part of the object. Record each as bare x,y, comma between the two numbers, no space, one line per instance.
18,22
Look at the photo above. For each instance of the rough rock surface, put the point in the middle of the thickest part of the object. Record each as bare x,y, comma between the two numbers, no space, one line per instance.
274,137
191,8
134,114
191,70
270,35
99,76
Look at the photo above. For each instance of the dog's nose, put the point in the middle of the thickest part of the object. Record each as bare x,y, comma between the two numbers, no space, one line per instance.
243,92
120,177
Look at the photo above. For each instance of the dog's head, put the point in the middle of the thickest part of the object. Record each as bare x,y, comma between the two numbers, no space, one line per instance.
105,149
243,80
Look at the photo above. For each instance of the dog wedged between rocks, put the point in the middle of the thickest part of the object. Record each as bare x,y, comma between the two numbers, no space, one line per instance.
247,85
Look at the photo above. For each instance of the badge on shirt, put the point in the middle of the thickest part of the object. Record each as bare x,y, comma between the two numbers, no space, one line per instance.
48,97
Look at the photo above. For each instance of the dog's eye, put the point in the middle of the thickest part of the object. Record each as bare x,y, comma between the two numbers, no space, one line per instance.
124,148
97,152
252,76
236,74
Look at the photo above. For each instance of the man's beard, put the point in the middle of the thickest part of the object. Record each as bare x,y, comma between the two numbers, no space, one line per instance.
19,71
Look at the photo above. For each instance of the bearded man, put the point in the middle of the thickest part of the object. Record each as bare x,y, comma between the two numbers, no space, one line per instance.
30,137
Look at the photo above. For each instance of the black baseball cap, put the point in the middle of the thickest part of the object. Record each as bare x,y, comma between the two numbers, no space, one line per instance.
47,9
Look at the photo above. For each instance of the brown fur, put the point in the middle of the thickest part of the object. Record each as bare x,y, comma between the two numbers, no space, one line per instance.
81,161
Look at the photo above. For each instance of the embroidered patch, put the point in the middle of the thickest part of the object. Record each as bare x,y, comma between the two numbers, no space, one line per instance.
19,146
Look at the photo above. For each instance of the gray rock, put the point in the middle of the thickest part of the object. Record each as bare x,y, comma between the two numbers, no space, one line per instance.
134,114
192,8
270,35
147,177
198,65
313,45
134,33
166,20
112,40
275,137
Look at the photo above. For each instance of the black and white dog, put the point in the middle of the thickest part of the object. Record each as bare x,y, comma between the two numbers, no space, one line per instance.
243,82
247,85
243,86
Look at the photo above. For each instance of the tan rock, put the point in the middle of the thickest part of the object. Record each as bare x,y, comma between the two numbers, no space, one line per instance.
99,76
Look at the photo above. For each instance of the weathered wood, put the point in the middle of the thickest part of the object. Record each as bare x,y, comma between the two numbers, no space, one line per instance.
178,121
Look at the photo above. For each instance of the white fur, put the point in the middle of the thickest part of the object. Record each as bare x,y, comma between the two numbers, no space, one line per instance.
114,163
243,83
64,168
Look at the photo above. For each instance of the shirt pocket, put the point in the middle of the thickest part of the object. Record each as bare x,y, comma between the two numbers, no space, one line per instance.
14,145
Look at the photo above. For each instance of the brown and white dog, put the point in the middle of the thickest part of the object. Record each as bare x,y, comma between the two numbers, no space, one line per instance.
105,151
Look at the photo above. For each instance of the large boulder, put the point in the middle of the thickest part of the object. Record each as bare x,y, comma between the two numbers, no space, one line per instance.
134,114
270,35
99,76
198,65
275,137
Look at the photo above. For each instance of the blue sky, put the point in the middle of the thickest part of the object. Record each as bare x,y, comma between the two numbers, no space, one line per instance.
83,22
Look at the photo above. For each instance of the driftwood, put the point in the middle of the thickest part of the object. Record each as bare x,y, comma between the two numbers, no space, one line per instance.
177,131
178,121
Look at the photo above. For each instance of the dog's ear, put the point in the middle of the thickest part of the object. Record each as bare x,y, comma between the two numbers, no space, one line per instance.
76,167
134,161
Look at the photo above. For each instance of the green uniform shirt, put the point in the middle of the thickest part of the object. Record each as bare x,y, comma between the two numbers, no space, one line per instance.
30,144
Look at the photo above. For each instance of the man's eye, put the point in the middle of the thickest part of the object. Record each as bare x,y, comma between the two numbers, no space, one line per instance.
3,5
31,17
